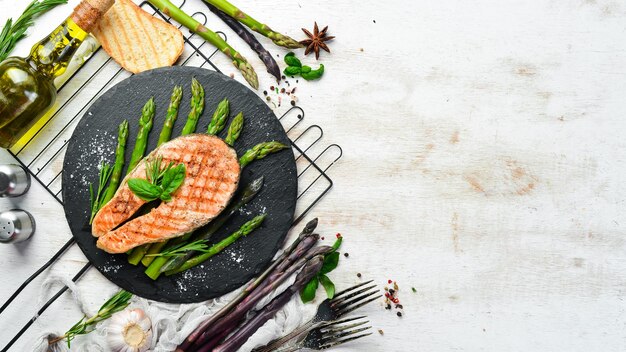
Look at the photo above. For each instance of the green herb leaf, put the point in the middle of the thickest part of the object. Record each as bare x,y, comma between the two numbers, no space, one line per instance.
173,178
292,60
117,303
306,69
330,262
313,74
14,32
144,189
292,70
328,285
308,292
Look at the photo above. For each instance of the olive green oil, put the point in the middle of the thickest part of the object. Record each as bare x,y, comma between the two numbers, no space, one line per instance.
27,90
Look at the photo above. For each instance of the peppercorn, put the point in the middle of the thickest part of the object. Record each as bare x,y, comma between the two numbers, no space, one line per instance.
293,103
271,87
358,275
346,254
380,331
284,77
388,307
392,291
268,98
399,306
264,92
282,90
399,314
389,281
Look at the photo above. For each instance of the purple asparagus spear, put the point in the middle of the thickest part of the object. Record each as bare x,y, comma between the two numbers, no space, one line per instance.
200,330
250,39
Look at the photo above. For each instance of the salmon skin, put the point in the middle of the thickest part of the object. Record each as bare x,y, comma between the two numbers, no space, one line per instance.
212,175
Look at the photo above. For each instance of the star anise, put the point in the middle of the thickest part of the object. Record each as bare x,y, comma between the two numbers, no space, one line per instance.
316,41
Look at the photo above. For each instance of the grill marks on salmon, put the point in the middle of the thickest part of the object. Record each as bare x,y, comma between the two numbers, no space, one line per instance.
212,175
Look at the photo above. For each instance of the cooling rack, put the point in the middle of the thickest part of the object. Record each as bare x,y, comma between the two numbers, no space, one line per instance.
43,153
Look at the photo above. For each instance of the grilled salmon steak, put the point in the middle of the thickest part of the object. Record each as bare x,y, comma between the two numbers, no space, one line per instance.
212,174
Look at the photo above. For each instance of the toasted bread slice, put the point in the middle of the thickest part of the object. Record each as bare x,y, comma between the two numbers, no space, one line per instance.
137,40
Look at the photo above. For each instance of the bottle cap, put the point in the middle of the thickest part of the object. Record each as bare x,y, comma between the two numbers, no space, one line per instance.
88,12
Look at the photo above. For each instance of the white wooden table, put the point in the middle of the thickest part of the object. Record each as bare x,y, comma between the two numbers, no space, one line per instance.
484,159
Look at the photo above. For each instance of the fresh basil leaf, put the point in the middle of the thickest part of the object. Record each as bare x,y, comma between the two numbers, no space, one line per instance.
292,60
330,262
328,285
166,197
308,292
144,189
291,70
313,74
173,178
306,69
337,243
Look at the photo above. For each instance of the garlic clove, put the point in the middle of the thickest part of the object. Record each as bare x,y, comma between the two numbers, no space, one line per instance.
129,331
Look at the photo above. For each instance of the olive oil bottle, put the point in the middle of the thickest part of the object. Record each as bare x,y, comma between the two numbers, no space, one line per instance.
27,88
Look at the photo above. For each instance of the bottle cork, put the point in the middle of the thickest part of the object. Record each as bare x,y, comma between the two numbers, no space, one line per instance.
88,12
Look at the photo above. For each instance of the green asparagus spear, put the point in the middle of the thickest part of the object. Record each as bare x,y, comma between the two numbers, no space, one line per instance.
219,118
260,151
247,195
116,175
244,230
190,23
145,125
172,114
263,29
197,106
234,130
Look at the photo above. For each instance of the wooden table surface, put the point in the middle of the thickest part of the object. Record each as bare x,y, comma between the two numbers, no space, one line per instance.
484,160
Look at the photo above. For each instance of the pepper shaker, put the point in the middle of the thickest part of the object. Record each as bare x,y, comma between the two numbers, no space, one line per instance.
16,226
14,180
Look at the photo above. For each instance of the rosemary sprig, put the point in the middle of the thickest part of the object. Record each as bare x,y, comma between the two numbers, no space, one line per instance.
199,246
96,200
118,302
14,32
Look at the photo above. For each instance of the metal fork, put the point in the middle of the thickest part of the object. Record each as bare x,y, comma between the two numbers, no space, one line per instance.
330,334
341,304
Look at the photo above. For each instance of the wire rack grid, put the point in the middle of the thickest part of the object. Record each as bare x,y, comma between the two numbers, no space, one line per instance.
42,154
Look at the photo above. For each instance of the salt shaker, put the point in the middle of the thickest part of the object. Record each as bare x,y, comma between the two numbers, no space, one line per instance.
16,226
14,180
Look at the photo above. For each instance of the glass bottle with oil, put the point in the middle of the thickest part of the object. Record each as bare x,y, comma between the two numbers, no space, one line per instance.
27,88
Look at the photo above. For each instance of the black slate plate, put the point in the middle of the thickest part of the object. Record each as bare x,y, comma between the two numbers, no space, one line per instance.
95,138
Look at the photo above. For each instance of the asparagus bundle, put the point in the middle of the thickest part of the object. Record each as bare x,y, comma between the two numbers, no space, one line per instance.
311,268
181,17
264,55
301,245
263,29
